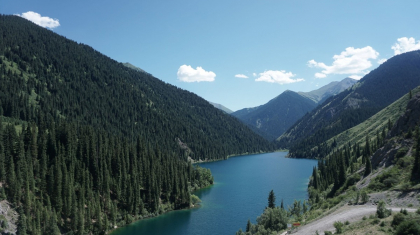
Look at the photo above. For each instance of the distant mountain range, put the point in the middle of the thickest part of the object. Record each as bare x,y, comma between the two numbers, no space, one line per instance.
275,117
373,92
221,107
332,88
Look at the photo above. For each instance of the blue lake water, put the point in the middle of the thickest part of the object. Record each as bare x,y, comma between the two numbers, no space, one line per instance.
240,193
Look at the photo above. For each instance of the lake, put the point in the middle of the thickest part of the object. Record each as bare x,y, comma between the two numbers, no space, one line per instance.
240,193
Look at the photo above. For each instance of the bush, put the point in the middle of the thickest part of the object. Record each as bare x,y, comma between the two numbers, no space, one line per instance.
376,221
398,219
401,152
338,227
365,197
408,228
328,233
381,210
382,224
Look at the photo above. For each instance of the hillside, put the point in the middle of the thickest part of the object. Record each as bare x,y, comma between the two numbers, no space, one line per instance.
275,117
372,93
354,189
47,77
372,127
88,144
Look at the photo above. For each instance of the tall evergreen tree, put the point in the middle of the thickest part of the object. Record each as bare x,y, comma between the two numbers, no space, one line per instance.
271,200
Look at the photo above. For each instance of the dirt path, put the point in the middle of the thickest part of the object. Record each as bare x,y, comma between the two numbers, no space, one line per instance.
345,213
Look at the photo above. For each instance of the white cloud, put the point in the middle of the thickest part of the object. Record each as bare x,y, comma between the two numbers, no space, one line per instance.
43,21
254,74
405,44
357,77
281,77
241,76
381,61
188,74
320,75
351,61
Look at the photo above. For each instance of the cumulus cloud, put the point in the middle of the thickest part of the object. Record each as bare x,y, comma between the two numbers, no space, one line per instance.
188,74
281,77
320,75
241,76
254,74
43,21
351,61
405,44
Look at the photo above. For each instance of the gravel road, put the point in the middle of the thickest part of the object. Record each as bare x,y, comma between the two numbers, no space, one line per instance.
345,213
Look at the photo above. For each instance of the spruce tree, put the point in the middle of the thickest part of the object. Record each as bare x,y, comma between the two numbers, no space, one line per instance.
368,168
248,226
271,199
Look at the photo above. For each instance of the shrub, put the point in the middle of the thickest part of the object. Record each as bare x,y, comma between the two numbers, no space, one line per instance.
365,197
408,228
376,221
328,233
398,219
347,222
382,224
401,152
381,210
338,227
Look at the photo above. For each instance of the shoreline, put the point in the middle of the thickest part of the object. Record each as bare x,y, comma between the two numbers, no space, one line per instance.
233,155
194,206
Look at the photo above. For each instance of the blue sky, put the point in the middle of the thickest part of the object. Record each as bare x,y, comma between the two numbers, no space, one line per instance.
237,53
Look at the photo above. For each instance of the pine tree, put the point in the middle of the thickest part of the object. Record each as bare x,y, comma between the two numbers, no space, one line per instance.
248,226
368,168
271,200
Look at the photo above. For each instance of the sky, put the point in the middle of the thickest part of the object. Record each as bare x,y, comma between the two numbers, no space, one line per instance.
238,53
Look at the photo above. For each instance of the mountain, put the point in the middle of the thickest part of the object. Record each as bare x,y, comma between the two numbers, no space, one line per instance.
88,144
372,93
221,107
333,88
71,81
275,117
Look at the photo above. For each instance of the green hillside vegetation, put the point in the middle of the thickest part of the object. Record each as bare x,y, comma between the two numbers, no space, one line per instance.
386,163
46,77
372,93
87,144
373,127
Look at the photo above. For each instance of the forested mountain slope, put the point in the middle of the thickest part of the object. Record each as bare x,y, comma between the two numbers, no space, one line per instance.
275,117
278,114
46,77
87,144
375,91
